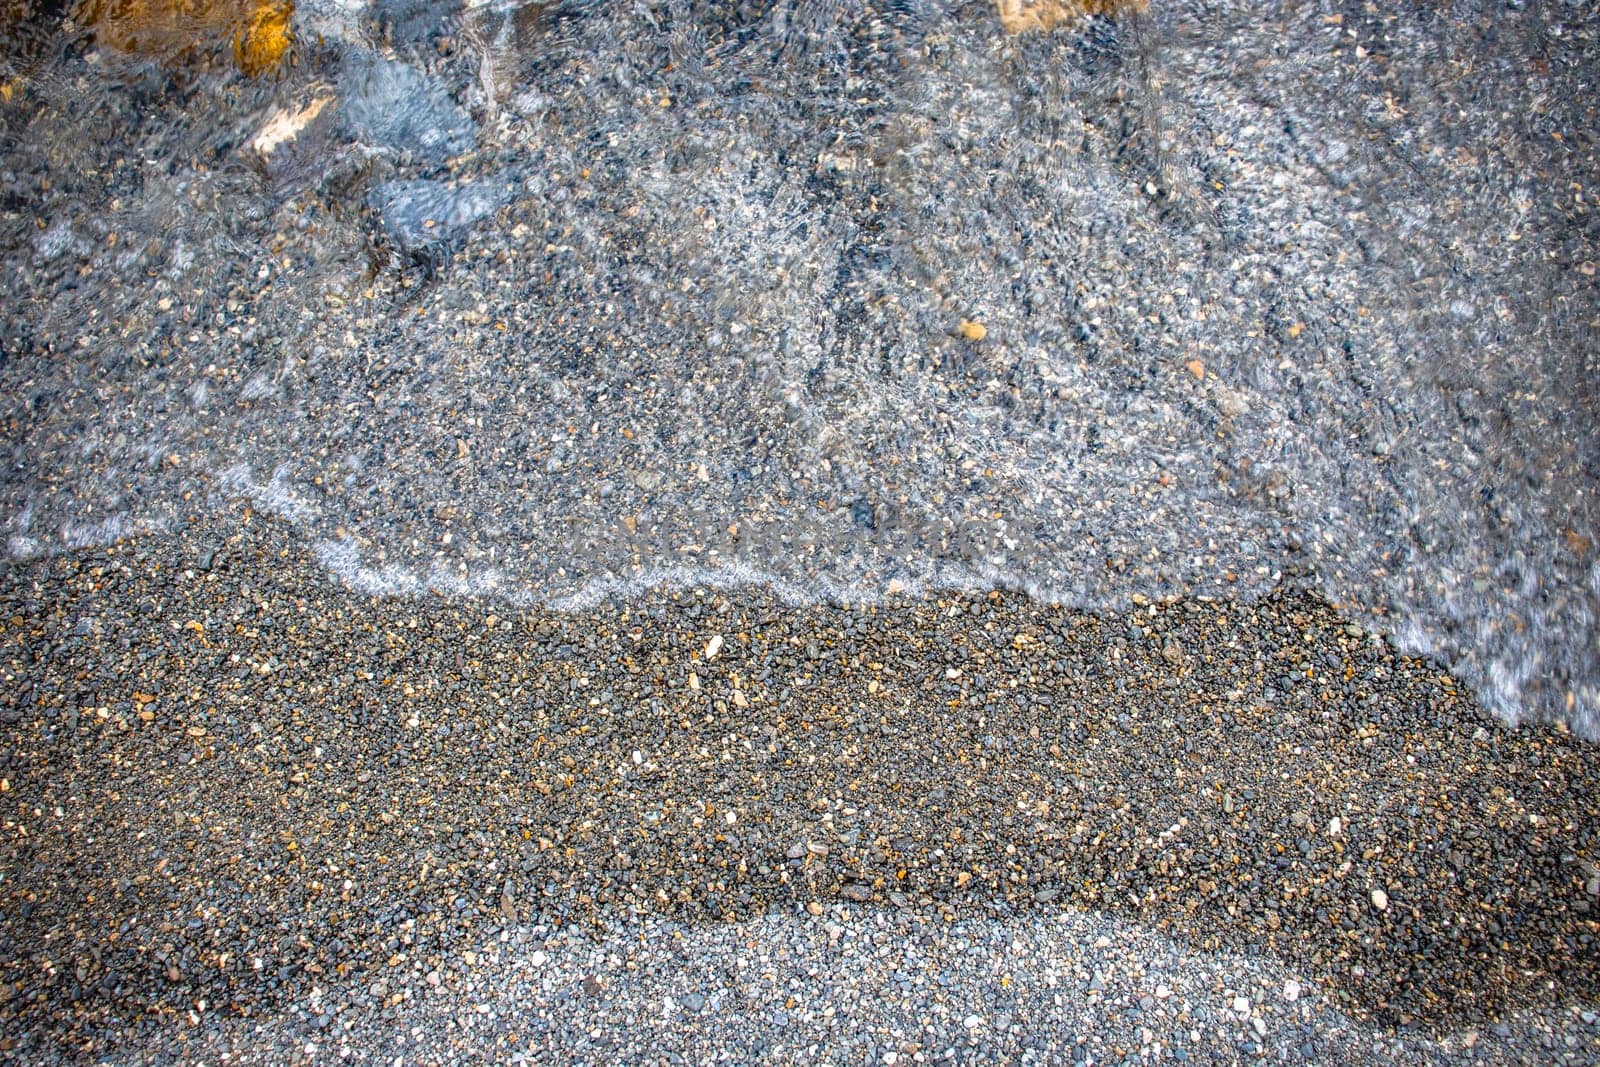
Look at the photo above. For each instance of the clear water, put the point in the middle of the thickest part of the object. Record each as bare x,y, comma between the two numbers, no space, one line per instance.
550,303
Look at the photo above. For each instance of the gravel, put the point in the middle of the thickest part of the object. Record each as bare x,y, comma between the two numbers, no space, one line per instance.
247,811
517,534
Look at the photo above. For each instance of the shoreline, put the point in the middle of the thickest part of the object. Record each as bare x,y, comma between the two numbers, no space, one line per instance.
252,764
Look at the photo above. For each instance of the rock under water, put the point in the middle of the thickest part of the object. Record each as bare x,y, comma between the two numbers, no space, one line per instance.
851,299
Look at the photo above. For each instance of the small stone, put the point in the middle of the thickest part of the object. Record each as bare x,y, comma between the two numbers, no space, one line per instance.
857,892
1291,991
972,331
1196,367
972,1022
694,1001
1335,825
1232,403
713,646
1241,1005
1380,900
813,908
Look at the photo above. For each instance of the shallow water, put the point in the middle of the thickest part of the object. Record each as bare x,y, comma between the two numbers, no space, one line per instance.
549,303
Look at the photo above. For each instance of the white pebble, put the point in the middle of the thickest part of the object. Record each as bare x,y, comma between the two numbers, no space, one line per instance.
1291,991
1241,1005
1380,900
713,646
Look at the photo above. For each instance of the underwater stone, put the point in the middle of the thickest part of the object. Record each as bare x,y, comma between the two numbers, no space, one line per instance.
393,106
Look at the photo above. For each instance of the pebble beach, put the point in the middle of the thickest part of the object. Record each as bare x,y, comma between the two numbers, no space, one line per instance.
252,817
798,531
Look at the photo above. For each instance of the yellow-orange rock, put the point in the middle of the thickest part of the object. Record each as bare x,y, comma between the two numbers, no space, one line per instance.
257,32
260,47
